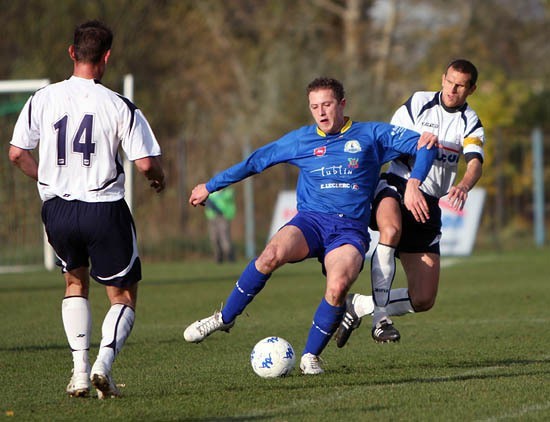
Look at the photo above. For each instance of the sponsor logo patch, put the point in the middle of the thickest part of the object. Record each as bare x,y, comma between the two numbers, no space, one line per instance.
353,163
319,152
352,147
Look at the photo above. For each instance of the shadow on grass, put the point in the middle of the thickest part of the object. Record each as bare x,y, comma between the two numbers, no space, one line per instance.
40,348
475,371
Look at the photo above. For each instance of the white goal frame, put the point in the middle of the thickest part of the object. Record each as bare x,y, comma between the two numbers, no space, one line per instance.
21,86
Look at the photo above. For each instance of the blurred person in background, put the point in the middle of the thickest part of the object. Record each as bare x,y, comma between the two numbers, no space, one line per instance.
416,243
78,125
220,210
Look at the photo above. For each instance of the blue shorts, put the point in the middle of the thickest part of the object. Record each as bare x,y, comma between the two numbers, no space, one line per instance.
102,234
325,232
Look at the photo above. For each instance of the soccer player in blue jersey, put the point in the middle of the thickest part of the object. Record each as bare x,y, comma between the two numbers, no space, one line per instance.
460,133
79,125
339,162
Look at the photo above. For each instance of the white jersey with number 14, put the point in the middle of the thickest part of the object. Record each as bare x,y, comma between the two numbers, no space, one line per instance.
78,125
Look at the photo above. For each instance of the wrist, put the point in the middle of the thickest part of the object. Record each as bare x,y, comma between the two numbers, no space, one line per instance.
413,182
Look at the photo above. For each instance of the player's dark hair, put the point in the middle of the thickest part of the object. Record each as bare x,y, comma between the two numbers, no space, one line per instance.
327,83
92,40
464,66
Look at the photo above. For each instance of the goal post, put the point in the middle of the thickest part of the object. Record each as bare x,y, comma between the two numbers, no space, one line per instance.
18,86
22,86
128,92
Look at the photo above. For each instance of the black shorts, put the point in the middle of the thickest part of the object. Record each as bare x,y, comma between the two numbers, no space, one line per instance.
102,234
416,237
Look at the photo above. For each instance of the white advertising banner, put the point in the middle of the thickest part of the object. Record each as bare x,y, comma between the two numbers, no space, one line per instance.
458,232
460,227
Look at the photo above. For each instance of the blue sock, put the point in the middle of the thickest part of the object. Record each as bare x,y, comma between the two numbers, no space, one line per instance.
325,321
248,285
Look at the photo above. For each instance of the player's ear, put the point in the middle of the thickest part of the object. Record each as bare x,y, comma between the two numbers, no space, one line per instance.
472,89
72,53
106,56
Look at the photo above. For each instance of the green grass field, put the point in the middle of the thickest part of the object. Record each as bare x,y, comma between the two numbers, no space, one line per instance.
482,353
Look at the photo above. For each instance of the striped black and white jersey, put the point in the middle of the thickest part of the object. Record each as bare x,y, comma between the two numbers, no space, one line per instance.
78,125
459,132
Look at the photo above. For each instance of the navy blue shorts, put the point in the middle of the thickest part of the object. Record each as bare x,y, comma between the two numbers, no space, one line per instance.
102,234
325,232
416,237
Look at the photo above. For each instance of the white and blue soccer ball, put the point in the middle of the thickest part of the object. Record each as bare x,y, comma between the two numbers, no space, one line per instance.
272,357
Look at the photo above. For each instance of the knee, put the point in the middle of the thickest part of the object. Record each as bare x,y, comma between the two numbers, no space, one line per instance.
269,260
390,234
423,304
336,294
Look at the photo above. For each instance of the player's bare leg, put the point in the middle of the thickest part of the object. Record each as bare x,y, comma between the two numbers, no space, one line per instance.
422,271
287,245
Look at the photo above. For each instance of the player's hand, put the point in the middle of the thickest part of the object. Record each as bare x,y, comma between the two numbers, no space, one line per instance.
199,195
457,197
428,140
415,201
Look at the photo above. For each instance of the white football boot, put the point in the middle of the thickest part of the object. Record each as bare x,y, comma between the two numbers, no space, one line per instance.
311,364
202,328
102,381
79,385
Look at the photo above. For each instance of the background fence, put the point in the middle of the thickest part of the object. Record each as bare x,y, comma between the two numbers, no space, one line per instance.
170,230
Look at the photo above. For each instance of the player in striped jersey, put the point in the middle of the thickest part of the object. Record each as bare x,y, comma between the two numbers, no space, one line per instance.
78,126
339,162
405,234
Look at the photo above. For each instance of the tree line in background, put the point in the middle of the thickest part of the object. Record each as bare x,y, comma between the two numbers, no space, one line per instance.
216,77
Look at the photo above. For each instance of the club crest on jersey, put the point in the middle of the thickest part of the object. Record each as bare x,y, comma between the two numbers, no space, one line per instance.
352,146
353,163
319,152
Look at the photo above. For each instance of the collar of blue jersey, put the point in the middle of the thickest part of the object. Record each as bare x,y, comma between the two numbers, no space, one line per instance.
346,126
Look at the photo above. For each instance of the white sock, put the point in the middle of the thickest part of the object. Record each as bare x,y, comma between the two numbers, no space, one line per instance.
382,274
116,328
400,302
77,321
363,305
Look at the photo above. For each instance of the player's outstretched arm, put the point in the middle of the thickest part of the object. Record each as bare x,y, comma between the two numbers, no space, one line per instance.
151,168
199,195
459,193
24,160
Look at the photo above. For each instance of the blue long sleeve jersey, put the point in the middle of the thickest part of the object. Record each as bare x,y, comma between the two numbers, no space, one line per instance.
338,172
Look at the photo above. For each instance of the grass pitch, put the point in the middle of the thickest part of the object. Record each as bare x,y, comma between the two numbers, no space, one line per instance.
482,353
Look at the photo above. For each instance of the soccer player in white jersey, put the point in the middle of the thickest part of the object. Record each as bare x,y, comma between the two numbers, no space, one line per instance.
78,125
408,235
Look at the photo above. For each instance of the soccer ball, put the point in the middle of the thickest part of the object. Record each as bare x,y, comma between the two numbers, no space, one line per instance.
272,357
